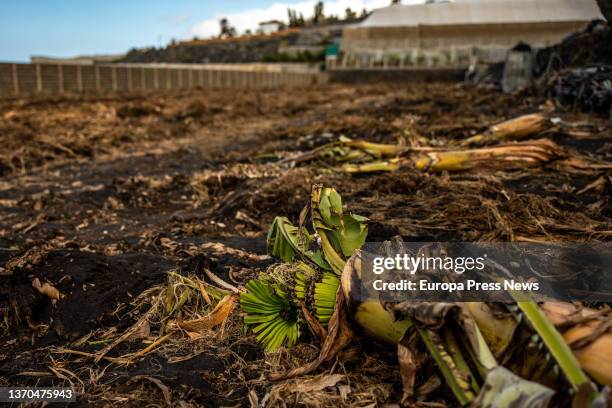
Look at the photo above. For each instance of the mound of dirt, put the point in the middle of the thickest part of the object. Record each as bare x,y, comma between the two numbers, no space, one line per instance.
592,46
588,89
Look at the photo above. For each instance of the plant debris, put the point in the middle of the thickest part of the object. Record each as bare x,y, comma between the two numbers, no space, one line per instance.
149,215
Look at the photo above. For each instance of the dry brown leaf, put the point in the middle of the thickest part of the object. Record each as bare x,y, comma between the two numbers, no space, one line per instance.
142,332
598,186
318,383
46,289
344,391
253,399
313,324
217,316
408,370
204,293
222,249
150,347
220,281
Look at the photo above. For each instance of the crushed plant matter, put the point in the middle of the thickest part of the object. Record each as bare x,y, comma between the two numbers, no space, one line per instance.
130,226
588,89
588,47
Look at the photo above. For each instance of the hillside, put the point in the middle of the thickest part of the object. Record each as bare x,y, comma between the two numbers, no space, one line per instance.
240,49
293,45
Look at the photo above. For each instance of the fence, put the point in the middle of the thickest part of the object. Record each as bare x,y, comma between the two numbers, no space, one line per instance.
16,79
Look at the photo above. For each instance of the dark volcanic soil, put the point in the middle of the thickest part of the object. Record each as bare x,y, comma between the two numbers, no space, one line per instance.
102,196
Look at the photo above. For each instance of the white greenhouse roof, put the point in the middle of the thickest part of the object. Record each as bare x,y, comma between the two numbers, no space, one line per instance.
484,12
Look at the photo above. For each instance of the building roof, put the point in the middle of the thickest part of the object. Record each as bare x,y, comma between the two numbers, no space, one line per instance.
484,12
270,22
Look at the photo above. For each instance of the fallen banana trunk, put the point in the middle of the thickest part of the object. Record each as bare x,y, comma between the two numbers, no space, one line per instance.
508,156
452,339
356,156
500,331
503,157
359,156
513,129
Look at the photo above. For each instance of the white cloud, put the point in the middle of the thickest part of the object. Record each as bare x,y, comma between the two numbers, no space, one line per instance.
249,19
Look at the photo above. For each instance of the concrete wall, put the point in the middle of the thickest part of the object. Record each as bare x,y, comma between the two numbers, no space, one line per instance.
17,79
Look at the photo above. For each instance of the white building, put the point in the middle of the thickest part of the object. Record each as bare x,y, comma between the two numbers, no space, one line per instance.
269,27
453,33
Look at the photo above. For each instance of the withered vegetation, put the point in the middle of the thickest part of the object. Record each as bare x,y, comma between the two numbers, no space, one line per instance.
127,224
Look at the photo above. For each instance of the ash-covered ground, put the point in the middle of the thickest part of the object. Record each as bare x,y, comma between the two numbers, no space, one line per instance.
102,196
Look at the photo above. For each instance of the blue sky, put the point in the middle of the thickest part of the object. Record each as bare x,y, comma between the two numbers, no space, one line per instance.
71,27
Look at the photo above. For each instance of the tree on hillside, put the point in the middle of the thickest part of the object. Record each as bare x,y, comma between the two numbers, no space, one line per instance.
295,20
396,2
349,14
319,15
226,30
364,14
291,15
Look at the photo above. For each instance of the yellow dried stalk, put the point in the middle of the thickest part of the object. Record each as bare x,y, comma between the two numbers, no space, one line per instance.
507,156
513,129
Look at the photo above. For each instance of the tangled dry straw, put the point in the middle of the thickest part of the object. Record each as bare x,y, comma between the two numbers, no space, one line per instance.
181,337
